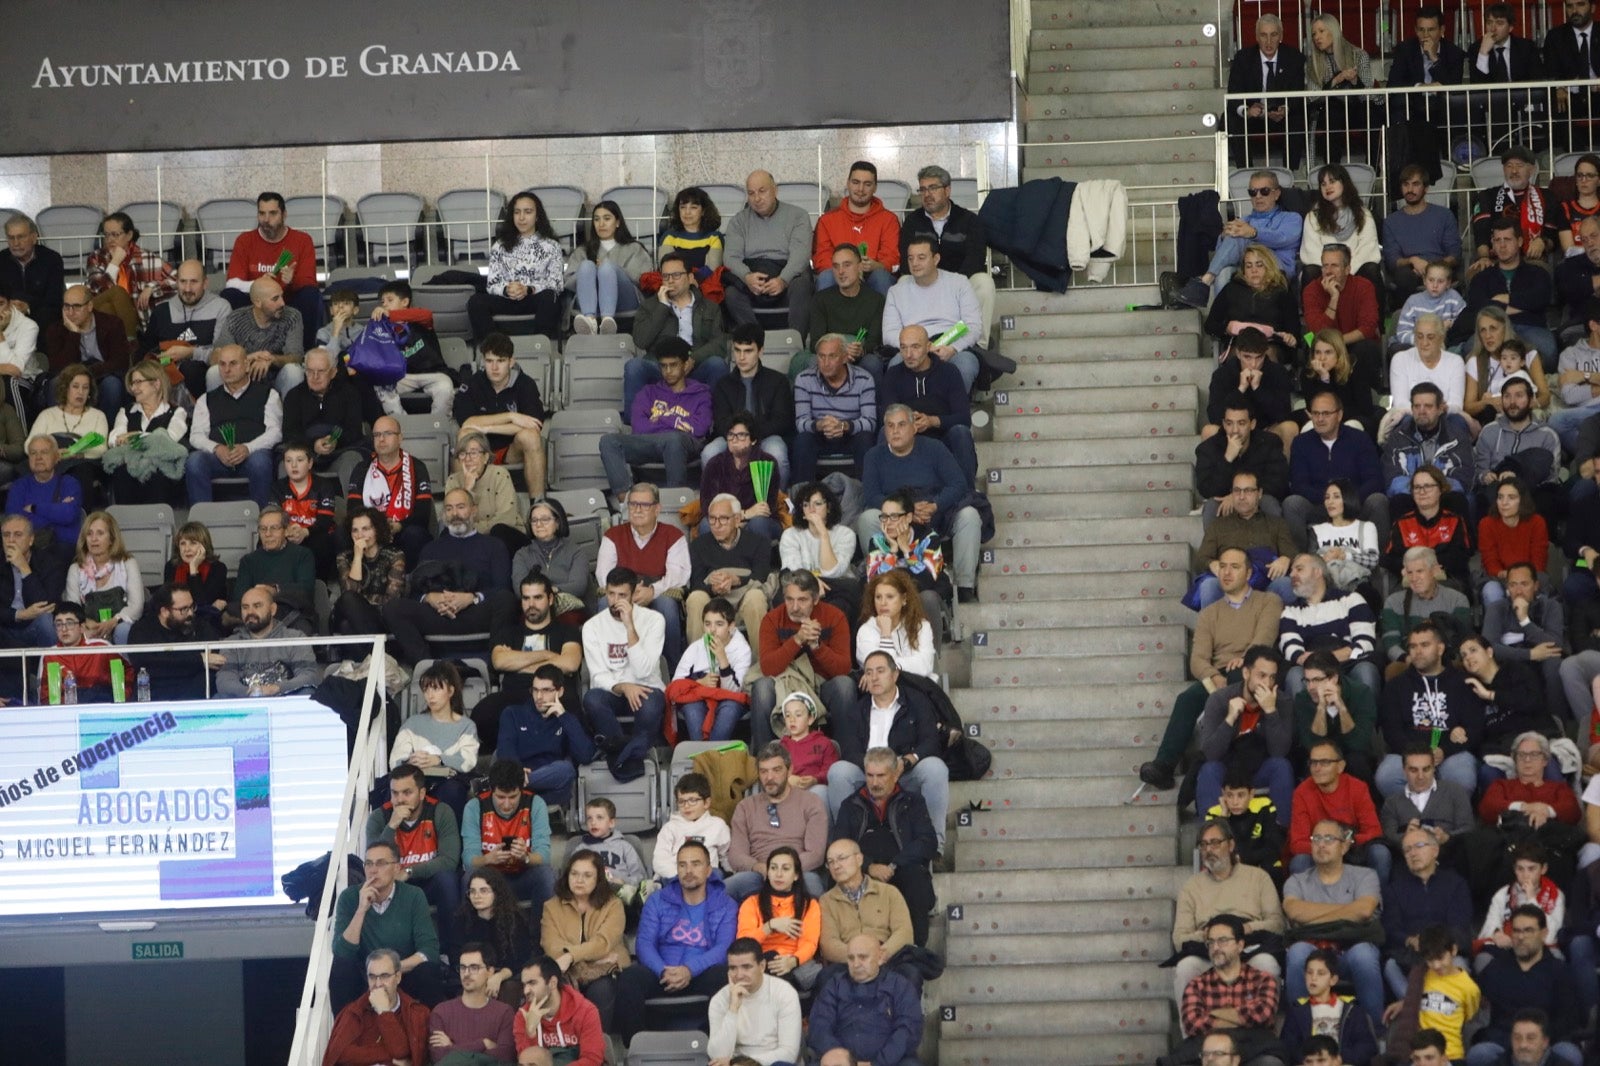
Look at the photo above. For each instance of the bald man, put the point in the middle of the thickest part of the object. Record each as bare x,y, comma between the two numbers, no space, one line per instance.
271,334
183,328
874,1013
766,248
96,339
233,430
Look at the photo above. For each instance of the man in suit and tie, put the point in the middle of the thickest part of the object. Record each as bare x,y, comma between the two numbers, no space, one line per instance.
1267,66
1500,57
1569,53
1428,59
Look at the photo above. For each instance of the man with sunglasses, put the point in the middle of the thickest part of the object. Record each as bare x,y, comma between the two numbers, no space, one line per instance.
1266,224
777,815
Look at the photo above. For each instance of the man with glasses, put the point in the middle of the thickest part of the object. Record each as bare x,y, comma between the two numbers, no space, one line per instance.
678,312
169,618
1331,794
1223,886
92,671
384,912
1251,529
858,904
382,1024
1421,895
1230,997
730,561
776,815
728,474
958,235
32,272
1531,803
289,570
123,277
658,556
546,739
1266,224
1332,890
504,403
182,329
323,410
395,483
1530,994
1418,234
94,338
1331,451
761,395
475,1027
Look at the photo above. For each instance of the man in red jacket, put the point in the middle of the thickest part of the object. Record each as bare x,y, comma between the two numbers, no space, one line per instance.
815,633
862,221
1330,794
258,253
1347,302
555,1016
381,1026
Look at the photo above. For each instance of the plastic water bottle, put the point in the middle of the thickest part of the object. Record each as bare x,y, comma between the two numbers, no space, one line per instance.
69,687
142,686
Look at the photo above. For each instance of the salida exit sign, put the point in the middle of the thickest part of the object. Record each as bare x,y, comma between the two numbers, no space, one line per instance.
147,950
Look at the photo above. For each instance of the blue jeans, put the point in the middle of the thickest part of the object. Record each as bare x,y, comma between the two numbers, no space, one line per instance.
964,361
201,467
1210,590
1489,1054
1460,768
1358,963
879,281
620,451
930,779
1540,338
1566,422
604,708
1275,774
729,714
554,780
602,289
39,633
642,370
776,447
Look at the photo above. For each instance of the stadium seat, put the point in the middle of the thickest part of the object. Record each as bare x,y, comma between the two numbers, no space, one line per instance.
432,439
1363,177
592,380
729,199
388,222
322,218
896,195
1565,164
807,195
449,306
1487,173
575,437
964,192
642,207
668,1047
147,530
220,222
233,527
72,230
564,206
467,219
160,225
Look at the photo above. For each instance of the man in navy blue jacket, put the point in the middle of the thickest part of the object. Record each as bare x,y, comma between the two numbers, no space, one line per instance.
1333,451
547,739
873,1013
937,396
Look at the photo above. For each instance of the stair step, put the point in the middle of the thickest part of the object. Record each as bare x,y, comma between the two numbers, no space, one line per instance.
1024,886
1044,101
1156,36
1000,620
1126,151
1172,179
1031,793
1097,1050
1084,301
1045,484
1011,765
1002,646
1043,372
1124,504
1052,983
1091,704
1076,532
1086,558
1095,427
1014,739
1144,1017
984,919
1004,856
1027,672
1120,323
1131,82
1111,824
1069,55
1052,14
1036,349
1158,586
1010,457
1073,130
1026,402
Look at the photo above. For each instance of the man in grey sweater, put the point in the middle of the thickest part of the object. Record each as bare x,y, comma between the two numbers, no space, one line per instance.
260,671
936,300
767,250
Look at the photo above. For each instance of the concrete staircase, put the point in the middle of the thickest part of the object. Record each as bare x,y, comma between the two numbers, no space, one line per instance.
1060,902
1141,72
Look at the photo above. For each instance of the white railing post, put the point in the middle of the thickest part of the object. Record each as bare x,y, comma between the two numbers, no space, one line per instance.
1021,32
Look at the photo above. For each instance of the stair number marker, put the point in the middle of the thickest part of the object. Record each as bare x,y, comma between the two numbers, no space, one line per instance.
987,556
996,475
980,640
1002,398
1008,321
955,912
964,818
974,729
947,1014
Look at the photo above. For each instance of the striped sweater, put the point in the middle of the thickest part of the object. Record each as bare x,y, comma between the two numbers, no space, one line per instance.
856,401
1337,621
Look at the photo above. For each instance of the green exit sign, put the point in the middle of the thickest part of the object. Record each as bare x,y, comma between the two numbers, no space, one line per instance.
145,950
